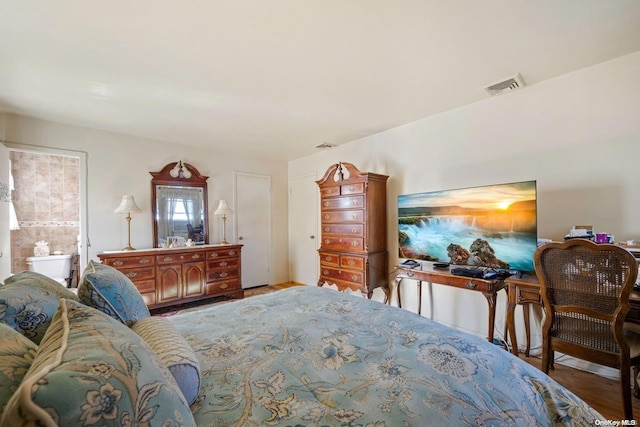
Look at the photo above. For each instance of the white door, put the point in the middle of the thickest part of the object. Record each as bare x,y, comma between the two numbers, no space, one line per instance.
5,233
303,229
253,225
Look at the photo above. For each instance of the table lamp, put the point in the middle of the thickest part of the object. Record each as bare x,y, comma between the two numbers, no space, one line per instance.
224,210
128,206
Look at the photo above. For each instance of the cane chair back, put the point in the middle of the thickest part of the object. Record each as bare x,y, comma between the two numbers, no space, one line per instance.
585,290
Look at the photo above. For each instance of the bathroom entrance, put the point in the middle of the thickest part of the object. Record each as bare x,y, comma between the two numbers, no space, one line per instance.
46,198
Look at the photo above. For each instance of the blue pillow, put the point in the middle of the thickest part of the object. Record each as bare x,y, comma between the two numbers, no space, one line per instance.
28,301
92,370
110,291
17,354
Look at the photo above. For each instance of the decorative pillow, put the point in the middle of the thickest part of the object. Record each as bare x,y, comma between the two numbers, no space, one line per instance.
28,301
91,369
16,355
177,355
110,291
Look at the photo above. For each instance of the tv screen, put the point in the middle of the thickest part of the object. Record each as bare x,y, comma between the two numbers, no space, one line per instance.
489,226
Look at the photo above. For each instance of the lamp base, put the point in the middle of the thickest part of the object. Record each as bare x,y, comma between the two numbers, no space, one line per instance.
224,242
128,248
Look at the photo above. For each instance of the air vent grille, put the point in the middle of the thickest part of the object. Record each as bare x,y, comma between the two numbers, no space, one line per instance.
324,145
507,85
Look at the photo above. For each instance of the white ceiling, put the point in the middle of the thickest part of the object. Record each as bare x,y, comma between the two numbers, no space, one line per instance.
276,77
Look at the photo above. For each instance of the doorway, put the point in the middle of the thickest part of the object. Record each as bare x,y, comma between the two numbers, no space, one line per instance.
253,226
49,200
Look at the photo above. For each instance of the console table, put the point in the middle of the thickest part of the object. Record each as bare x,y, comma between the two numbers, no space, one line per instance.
429,274
525,291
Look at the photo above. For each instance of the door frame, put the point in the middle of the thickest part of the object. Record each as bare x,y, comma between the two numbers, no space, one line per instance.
85,242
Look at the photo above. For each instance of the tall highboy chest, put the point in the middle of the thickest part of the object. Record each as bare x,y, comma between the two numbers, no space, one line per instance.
353,250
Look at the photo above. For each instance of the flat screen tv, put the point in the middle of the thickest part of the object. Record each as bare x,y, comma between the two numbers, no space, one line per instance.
489,226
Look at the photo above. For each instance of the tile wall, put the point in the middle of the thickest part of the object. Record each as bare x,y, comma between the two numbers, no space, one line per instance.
46,198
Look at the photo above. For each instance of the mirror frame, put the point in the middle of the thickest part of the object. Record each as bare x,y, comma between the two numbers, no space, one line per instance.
165,178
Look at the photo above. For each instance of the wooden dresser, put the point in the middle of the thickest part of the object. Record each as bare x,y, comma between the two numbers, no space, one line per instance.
168,277
353,250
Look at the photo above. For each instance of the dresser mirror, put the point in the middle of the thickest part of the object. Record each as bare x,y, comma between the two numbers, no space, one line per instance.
179,206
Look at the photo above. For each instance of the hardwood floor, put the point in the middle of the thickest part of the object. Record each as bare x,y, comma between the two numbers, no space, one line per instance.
603,394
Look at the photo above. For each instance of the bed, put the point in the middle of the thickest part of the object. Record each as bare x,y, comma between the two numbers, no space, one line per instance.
303,356
314,356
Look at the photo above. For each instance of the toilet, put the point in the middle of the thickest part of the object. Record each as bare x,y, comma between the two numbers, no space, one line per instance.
58,267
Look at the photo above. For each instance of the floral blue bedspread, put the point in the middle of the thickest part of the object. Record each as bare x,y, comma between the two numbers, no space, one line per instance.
308,356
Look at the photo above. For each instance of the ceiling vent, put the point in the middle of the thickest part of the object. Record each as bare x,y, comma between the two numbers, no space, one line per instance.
324,145
507,85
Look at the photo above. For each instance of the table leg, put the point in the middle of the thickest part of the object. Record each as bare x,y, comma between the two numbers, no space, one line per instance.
511,325
398,282
430,300
525,312
491,299
420,297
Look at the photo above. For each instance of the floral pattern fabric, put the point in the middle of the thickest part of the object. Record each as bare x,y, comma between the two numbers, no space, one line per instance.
92,370
28,301
110,291
16,356
312,356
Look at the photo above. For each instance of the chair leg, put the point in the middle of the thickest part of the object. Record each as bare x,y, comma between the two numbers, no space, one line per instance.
636,388
545,358
625,384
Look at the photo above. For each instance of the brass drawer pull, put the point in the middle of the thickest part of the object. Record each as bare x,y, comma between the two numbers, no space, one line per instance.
223,264
144,261
351,262
195,256
132,274
327,216
167,258
118,263
354,244
224,286
232,253
327,204
325,272
354,230
355,202
224,274
327,229
355,216
214,254
471,285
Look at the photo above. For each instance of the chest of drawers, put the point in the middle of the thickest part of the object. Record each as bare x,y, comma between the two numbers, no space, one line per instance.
353,249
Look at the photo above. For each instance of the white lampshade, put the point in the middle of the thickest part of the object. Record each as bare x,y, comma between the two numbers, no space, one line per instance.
223,208
127,205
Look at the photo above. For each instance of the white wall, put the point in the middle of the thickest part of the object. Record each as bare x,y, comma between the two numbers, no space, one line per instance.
119,164
577,135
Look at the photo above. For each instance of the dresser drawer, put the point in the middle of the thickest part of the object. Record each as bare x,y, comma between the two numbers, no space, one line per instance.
129,262
222,274
222,286
222,263
146,286
344,229
350,215
222,253
349,261
343,243
139,274
330,191
346,275
179,257
357,188
327,258
343,202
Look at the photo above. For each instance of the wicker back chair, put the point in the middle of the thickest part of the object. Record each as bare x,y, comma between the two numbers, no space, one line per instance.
585,290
